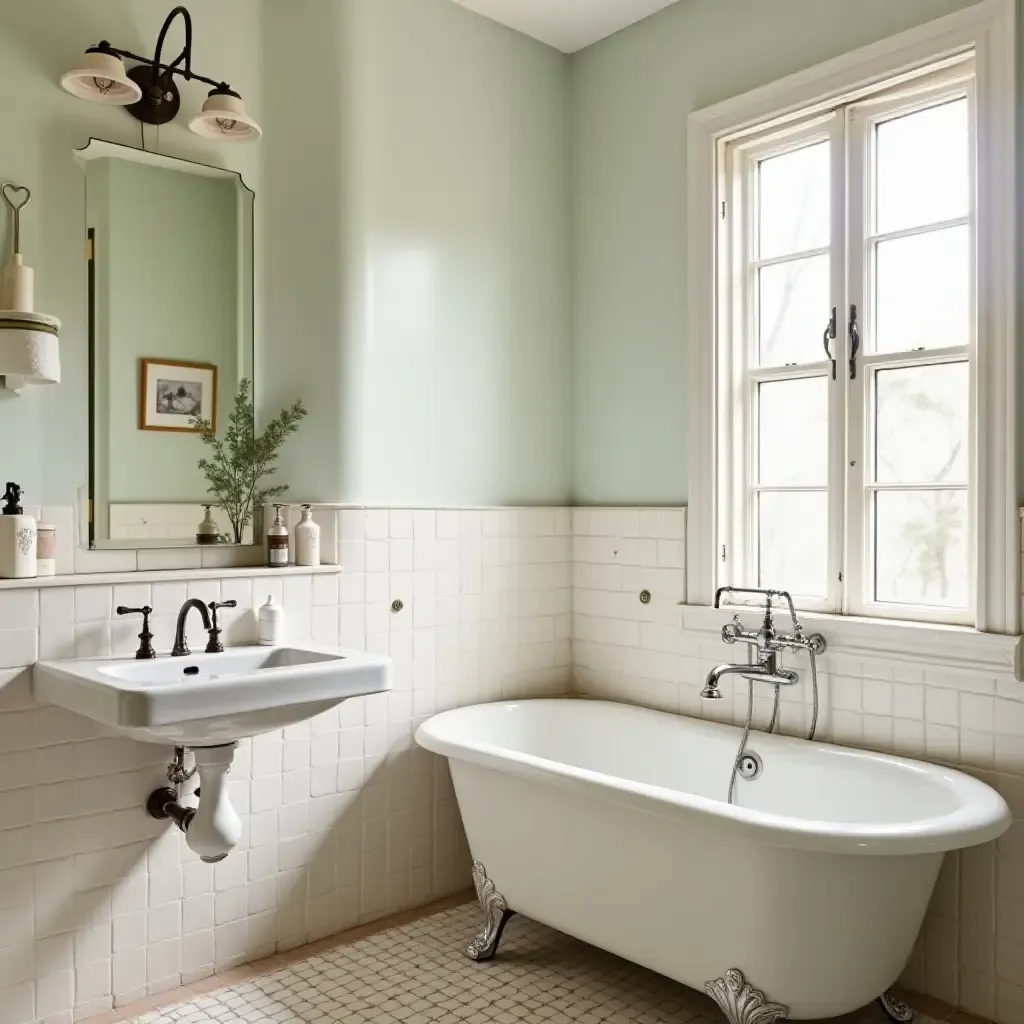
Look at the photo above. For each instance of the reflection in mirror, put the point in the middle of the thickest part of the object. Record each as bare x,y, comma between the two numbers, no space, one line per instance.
171,335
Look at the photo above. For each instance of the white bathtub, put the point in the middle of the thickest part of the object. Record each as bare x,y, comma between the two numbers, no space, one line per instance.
610,822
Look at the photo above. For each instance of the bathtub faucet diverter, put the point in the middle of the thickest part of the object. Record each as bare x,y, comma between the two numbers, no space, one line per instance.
766,644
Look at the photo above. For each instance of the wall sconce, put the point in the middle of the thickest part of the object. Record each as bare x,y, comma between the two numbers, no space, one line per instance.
148,90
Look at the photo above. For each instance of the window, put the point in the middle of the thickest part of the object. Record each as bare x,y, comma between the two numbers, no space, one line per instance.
849,340
859,344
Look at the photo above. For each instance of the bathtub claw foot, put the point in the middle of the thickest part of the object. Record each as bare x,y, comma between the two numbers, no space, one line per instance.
741,1002
496,915
895,1009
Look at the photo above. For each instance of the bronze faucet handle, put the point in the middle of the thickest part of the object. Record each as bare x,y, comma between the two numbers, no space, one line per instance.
215,646
145,651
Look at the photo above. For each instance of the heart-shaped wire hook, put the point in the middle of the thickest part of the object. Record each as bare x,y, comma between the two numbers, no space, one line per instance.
16,207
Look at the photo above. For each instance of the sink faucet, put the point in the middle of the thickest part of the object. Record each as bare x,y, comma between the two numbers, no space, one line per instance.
180,649
214,646
766,643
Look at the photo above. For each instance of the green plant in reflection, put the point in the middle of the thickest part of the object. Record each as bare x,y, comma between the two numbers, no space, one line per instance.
240,462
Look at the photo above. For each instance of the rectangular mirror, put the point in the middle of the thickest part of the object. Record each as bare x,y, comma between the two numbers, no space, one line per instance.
170,286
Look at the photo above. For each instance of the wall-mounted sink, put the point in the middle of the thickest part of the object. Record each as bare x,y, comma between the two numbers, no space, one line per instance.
208,700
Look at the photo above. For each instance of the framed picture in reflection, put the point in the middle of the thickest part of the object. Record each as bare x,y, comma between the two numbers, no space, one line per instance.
173,393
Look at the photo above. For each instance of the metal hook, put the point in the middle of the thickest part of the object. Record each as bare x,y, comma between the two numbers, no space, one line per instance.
16,208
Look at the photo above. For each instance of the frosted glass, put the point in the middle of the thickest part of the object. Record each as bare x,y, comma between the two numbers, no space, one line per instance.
923,168
793,201
793,432
921,424
923,290
792,532
794,310
921,548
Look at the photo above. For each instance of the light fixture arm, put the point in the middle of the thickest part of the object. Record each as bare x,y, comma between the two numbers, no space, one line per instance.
186,53
173,68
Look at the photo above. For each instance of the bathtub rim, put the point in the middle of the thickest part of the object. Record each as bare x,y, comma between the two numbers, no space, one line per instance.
980,820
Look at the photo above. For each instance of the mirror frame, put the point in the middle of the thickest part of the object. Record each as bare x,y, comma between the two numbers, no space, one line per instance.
96,149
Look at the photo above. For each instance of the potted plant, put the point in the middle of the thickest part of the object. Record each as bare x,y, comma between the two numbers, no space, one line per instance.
242,459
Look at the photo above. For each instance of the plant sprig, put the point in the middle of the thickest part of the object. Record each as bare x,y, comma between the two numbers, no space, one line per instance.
242,459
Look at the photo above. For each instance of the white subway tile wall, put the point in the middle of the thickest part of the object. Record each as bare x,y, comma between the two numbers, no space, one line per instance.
345,818
971,950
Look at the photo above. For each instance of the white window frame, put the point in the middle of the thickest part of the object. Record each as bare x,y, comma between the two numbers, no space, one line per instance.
988,29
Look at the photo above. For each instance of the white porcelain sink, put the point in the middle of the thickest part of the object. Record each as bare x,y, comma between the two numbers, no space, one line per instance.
208,700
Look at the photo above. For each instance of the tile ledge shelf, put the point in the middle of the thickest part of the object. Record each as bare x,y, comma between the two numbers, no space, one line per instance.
86,579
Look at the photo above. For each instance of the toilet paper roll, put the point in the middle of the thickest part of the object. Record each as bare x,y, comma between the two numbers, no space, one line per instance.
29,347
16,286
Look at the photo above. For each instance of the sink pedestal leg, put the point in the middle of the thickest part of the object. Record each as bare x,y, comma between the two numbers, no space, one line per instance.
216,827
212,829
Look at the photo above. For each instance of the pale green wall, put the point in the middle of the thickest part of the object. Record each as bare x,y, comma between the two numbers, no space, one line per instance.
631,96
438,201
40,126
167,257
417,292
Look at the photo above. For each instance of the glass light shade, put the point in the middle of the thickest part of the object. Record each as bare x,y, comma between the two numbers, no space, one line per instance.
101,79
223,117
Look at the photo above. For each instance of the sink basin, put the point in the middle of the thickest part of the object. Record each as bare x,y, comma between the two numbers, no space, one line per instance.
208,700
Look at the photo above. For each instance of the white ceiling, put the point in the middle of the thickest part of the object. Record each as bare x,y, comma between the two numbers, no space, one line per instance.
568,25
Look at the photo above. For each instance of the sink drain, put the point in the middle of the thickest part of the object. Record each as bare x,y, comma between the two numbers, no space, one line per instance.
750,765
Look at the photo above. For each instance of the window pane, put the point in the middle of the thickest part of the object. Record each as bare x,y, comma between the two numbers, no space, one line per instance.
921,548
793,541
793,432
794,311
923,291
923,168
921,424
793,202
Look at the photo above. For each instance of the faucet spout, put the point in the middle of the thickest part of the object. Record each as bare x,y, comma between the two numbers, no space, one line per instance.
711,689
180,649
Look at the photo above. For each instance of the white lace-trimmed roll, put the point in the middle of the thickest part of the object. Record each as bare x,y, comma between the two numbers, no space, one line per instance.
29,348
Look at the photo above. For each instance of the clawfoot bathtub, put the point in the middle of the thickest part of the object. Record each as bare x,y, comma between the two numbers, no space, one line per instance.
610,822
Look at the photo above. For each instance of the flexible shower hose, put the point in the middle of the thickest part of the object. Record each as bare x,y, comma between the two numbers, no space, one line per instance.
775,717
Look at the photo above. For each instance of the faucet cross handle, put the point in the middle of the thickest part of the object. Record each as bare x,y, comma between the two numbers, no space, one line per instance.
215,646
145,651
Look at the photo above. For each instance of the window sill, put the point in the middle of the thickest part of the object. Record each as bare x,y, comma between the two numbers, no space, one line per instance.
956,647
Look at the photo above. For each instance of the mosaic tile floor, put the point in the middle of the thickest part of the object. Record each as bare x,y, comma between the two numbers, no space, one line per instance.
417,973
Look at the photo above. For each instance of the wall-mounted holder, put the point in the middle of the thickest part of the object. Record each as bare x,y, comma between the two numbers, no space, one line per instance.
29,352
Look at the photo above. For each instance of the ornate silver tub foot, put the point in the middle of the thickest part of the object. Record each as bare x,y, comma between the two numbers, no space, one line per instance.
741,1002
496,915
895,1009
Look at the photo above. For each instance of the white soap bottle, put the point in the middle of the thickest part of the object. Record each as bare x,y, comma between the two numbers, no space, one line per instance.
307,539
17,538
271,623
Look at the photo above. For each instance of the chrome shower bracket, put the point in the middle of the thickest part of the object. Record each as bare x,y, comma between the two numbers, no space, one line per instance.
895,1009
741,1003
496,915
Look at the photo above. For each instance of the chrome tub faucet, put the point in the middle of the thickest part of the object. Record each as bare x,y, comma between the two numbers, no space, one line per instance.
766,644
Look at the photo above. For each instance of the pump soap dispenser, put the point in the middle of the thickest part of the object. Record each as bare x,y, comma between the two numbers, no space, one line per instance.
278,554
17,538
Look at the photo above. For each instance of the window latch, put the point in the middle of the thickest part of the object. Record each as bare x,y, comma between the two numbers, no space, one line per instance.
830,334
854,342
